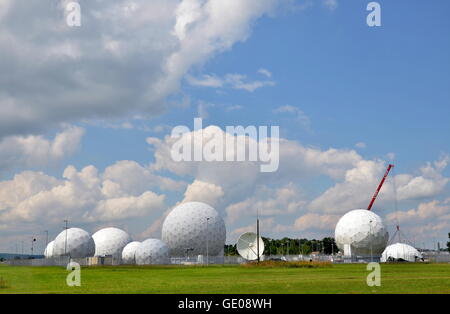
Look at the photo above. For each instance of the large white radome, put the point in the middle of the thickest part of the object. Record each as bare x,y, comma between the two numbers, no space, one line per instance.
48,253
152,251
79,244
129,251
186,227
400,252
110,241
361,231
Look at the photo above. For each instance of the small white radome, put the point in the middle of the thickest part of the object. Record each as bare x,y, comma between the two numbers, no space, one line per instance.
110,242
152,251
129,251
401,252
48,253
74,242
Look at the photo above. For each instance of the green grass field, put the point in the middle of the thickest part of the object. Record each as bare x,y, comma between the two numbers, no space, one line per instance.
349,278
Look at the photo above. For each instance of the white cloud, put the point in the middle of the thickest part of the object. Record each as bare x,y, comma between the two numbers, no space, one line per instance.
200,191
331,4
301,117
32,151
68,74
361,181
265,72
81,196
231,80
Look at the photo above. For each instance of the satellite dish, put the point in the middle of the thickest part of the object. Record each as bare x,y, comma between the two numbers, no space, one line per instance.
247,246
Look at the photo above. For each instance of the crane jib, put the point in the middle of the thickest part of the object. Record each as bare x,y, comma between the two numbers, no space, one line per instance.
379,187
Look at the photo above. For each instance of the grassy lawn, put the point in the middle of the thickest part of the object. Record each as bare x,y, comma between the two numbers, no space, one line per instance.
349,278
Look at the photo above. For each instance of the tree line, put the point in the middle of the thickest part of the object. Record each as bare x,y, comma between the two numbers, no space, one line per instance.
288,246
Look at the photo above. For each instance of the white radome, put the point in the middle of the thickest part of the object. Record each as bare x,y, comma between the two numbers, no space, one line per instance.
361,232
129,251
151,252
48,253
110,242
187,229
401,252
79,244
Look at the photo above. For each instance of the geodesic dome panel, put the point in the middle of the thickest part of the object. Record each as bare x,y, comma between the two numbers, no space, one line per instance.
48,253
363,231
129,251
79,244
152,251
110,241
401,252
188,229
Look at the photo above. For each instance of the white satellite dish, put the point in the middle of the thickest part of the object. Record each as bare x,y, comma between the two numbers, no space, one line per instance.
247,246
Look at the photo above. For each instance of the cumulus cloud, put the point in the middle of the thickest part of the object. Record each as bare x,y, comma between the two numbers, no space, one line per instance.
361,181
80,196
33,151
126,57
428,220
200,191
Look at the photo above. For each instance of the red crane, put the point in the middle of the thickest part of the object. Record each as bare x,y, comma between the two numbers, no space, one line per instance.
380,186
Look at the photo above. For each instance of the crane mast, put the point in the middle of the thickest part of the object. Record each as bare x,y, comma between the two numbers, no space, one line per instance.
379,187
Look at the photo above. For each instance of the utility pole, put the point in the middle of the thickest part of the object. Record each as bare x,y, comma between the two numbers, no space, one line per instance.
65,244
207,241
33,239
370,238
257,234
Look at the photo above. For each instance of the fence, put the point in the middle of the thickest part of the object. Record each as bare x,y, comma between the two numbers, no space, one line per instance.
215,260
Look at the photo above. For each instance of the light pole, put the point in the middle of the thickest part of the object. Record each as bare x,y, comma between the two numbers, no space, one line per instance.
371,242
46,239
33,239
207,241
65,244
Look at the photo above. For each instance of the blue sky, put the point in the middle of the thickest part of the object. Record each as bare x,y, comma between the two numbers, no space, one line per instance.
343,85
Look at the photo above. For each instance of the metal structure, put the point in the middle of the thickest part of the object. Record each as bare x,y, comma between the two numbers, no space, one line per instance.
374,198
247,246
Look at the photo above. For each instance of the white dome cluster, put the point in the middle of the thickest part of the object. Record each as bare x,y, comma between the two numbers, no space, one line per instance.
361,231
152,251
48,253
401,252
193,226
74,242
129,251
110,241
